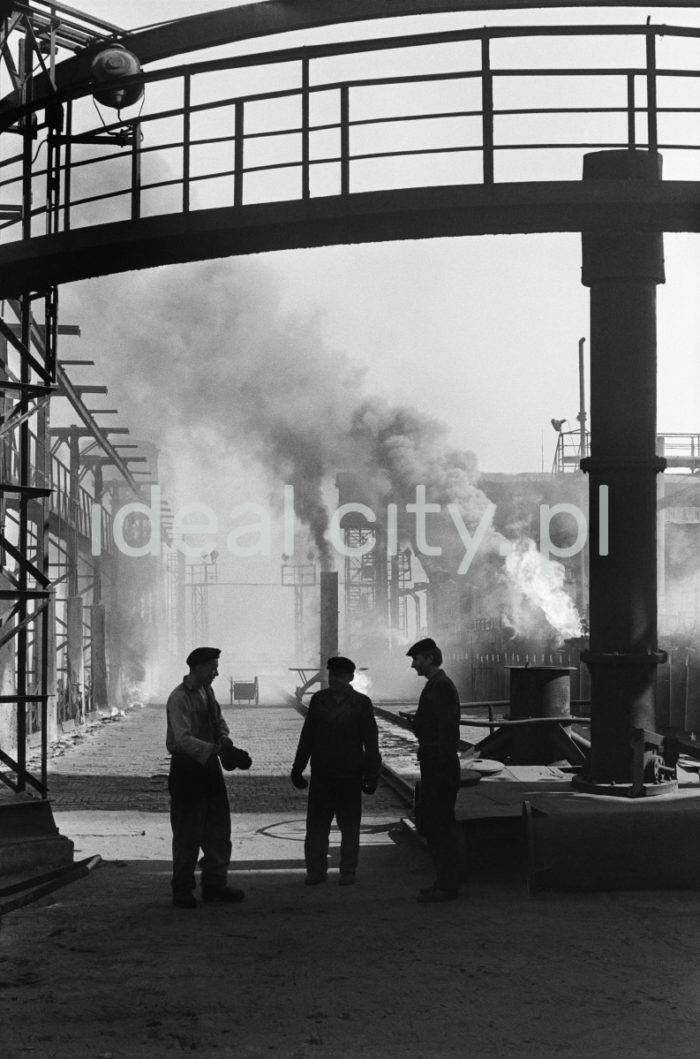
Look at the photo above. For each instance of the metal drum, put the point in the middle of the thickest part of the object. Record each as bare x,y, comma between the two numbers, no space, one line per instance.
540,691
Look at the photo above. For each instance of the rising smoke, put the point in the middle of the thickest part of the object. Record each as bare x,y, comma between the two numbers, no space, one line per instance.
206,363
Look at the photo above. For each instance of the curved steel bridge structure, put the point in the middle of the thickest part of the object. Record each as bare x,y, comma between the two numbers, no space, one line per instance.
273,144
400,137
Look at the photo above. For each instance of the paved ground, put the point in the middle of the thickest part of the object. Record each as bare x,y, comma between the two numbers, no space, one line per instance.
106,967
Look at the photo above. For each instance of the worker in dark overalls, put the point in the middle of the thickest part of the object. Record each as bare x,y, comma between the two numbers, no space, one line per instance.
339,736
198,740
436,726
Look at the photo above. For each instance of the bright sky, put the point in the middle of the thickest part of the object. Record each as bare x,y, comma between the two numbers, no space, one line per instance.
480,332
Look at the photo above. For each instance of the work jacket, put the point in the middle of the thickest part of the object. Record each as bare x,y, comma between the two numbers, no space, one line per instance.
195,722
339,736
436,721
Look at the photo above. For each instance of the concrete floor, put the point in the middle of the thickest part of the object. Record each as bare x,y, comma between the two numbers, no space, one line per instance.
106,967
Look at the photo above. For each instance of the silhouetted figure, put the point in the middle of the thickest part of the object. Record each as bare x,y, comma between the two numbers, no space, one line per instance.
436,725
200,815
340,738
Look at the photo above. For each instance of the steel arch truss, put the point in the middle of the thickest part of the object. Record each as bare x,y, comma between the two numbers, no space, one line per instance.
306,146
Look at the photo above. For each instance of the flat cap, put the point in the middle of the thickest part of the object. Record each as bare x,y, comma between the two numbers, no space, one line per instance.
422,647
201,655
342,665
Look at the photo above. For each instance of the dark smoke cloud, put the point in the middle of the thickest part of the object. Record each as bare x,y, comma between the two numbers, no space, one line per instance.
207,364
402,448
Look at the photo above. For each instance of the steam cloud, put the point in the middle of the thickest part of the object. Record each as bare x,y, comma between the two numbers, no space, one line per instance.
542,582
208,365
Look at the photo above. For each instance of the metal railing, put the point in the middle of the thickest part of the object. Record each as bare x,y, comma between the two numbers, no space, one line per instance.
571,448
681,451
75,513
463,107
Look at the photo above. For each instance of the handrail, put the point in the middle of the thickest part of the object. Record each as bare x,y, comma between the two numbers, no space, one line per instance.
327,131
75,513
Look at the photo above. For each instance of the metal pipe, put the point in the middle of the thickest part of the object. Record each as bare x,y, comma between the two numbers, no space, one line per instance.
582,398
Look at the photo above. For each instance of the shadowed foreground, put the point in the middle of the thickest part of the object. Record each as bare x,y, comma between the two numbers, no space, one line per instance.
107,967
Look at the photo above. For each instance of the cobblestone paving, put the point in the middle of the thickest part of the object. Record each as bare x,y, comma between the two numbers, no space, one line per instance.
122,763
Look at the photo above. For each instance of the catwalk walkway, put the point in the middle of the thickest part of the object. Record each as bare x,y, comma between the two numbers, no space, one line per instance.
106,967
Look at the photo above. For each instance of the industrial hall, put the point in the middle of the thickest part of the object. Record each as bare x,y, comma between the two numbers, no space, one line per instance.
349,529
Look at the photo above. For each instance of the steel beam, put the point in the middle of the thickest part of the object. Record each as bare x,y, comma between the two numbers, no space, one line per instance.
255,20
420,213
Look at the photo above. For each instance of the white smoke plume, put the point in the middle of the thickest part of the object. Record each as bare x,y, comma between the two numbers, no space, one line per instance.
540,582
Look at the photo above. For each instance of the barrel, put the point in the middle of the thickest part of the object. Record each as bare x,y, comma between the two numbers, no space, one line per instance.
540,691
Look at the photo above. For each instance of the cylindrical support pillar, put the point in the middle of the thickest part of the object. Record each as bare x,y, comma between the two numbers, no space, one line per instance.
622,270
329,620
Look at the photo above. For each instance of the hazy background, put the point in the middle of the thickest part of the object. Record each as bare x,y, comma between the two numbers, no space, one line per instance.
247,373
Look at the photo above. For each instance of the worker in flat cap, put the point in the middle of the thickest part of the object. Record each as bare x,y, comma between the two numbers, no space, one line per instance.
436,726
340,739
199,743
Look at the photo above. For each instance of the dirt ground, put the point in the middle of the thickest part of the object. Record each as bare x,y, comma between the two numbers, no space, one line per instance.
106,968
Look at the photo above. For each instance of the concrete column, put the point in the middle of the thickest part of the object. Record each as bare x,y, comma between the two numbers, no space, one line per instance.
98,657
622,270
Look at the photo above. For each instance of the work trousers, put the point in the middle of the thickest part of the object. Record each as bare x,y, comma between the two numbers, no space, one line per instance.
328,797
438,794
200,817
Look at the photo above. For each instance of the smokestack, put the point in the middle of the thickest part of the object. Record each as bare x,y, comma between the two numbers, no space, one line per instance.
329,620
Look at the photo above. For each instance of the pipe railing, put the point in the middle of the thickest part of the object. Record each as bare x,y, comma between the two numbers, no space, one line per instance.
334,119
75,513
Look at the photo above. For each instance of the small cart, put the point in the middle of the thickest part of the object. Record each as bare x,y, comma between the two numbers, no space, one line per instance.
244,691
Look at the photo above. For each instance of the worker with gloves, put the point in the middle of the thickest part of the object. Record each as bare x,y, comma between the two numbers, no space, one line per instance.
199,743
340,739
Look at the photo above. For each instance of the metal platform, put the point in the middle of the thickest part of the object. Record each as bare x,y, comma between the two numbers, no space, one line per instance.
558,838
